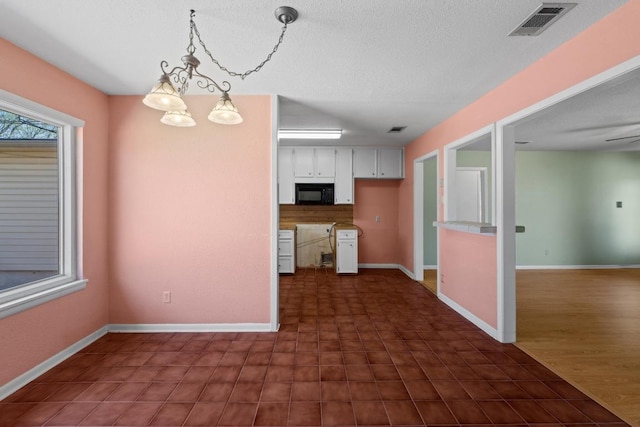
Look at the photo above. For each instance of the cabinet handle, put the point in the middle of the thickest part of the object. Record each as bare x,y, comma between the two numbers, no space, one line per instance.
382,173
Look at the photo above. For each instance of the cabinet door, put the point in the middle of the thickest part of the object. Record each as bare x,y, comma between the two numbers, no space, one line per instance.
286,265
364,163
325,162
390,163
347,255
286,184
344,177
303,162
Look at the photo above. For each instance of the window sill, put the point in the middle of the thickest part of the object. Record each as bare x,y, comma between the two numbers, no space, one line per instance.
35,295
467,227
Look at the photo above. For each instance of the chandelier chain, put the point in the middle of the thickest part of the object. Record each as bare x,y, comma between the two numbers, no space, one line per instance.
225,69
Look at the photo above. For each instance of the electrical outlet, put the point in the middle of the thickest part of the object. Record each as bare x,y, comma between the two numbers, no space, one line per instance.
166,297
378,218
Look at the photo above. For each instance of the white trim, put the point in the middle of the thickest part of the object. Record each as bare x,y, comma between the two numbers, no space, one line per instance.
429,267
275,217
575,267
506,233
380,266
450,167
67,281
191,327
16,300
33,373
506,258
408,272
490,330
41,112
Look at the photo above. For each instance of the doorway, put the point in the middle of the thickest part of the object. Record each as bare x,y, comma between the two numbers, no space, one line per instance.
427,196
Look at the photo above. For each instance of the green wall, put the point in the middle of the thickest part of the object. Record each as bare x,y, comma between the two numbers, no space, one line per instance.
430,211
567,202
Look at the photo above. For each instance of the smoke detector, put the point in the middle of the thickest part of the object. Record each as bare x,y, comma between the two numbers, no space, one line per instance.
542,18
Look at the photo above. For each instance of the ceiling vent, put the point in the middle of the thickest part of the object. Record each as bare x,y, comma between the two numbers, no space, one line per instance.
396,129
542,18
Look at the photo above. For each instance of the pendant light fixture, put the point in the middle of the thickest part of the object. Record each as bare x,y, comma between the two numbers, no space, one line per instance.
166,97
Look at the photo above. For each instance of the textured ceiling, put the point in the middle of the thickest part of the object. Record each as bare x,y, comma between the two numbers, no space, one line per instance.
360,65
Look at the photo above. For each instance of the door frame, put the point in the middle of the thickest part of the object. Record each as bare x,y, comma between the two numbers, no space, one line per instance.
505,195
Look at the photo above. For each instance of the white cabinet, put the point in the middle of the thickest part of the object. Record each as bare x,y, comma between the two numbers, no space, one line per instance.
286,251
312,162
381,163
343,191
346,251
365,163
286,184
390,163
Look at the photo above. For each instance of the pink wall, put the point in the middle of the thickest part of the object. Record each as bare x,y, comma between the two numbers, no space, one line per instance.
190,214
30,337
602,46
471,271
379,243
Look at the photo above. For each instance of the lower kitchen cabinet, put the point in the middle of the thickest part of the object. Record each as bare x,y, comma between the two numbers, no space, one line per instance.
346,251
286,251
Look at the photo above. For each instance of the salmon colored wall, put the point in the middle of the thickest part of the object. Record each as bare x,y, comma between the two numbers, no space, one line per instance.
190,214
30,337
379,243
604,45
479,252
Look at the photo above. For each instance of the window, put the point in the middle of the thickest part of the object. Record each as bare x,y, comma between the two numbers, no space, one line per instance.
38,244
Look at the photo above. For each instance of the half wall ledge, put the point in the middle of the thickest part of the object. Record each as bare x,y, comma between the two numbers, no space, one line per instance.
472,227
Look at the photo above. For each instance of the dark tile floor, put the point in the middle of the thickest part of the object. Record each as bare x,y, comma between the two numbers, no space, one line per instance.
374,349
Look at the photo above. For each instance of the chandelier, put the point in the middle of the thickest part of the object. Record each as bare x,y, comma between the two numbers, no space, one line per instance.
167,94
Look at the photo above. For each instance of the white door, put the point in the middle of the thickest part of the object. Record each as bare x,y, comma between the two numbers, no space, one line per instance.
470,194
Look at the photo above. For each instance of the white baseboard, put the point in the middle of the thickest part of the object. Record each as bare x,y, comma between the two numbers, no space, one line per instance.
19,382
408,272
574,267
490,330
192,327
393,266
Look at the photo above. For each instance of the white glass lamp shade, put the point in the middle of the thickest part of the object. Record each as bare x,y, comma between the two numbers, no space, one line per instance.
163,96
225,113
178,118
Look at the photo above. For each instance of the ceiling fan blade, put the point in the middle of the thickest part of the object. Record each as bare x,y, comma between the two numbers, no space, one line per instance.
604,127
621,138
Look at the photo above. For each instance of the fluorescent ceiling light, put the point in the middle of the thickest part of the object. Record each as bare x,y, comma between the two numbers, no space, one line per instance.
309,133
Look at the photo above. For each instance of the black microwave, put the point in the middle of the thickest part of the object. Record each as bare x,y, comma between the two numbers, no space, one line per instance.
314,194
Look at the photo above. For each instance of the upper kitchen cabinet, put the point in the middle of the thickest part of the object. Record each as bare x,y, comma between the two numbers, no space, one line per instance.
381,163
286,183
309,162
344,177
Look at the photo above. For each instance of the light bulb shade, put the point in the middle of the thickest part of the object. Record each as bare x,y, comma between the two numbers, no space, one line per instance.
163,96
178,118
225,113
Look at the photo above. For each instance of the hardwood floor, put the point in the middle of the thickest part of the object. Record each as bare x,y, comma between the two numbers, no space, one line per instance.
585,326
431,280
